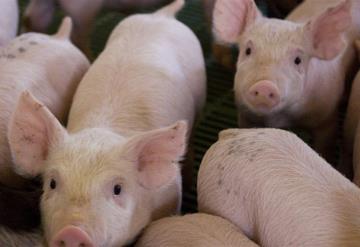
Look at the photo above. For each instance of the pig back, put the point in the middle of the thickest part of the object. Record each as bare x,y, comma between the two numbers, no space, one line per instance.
269,183
150,74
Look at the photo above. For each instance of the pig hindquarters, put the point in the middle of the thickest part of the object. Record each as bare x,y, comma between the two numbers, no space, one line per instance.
116,167
39,14
278,190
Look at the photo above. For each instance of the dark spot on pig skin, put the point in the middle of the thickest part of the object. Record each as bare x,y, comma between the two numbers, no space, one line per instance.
28,139
33,42
219,182
10,56
21,49
19,208
227,191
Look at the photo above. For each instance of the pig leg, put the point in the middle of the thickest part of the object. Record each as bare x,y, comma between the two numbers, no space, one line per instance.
38,15
83,21
325,138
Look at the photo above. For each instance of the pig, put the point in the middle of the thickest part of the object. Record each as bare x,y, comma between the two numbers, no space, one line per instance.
9,238
350,157
291,73
194,230
49,67
278,191
115,168
39,14
9,19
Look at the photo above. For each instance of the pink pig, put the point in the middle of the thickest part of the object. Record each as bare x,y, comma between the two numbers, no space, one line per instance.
194,230
9,20
116,167
291,72
50,67
39,14
278,190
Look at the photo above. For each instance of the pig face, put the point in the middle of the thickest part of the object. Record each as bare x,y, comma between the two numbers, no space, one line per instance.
273,63
97,185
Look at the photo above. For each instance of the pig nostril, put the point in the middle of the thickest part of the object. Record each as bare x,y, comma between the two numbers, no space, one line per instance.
256,93
82,245
62,243
271,95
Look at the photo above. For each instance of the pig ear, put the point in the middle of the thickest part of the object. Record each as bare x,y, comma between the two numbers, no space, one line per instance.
326,31
65,29
32,129
156,154
232,17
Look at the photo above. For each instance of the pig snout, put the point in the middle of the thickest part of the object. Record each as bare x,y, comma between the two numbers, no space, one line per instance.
263,95
72,236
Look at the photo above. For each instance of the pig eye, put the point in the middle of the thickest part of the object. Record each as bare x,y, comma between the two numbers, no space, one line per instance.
52,184
248,51
117,189
297,60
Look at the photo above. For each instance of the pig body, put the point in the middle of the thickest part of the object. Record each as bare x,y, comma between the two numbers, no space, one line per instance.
278,190
195,230
39,14
116,167
300,64
9,19
50,67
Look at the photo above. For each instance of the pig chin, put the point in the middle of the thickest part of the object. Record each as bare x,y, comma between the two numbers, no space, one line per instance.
259,110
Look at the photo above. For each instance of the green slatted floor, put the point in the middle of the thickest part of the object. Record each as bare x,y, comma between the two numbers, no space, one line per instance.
219,112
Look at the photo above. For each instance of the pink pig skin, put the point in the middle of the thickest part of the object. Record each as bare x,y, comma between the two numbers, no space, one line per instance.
39,14
49,67
278,190
116,166
305,59
9,20
193,230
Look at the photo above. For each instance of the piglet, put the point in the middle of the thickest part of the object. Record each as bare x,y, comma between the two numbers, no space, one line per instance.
116,167
195,230
278,190
9,19
39,14
291,73
49,67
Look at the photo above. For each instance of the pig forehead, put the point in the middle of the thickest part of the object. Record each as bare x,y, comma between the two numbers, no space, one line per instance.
275,33
97,152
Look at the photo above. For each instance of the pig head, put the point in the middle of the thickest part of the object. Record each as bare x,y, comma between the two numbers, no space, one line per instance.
112,183
273,65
